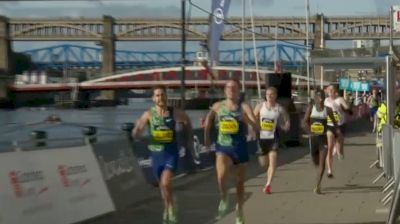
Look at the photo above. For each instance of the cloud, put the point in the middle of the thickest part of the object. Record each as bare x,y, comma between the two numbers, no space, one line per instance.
118,8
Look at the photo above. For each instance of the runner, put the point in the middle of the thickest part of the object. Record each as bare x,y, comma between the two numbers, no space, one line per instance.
164,150
271,116
315,121
231,148
335,134
373,104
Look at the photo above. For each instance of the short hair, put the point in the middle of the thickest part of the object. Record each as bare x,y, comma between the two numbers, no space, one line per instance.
333,87
235,81
320,92
271,88
161,87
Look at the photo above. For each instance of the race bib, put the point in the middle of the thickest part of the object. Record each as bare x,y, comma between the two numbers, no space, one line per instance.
267,125
163,135
317,128
228,126
336,117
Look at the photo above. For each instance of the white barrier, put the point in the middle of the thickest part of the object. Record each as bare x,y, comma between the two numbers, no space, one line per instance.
396,153
62,185
392,169
387,142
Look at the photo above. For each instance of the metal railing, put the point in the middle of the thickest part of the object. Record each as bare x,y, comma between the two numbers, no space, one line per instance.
388,158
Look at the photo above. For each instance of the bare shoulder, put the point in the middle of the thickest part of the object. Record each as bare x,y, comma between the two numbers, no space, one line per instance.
146,114
246,106
258,107
215,107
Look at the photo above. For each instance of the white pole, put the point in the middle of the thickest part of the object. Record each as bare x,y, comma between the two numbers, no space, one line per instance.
243,54
389,76
255,49
276,47
307,47
322,78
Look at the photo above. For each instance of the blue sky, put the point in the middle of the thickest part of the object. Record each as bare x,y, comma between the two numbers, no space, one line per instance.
171,8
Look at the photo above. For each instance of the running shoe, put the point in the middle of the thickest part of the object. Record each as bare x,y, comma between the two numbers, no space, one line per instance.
340,156
267,189
172,215
165,217
317,190
239,217
329,175
222,207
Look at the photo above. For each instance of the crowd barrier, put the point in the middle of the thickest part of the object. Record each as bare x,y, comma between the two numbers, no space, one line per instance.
388,152
113,169
52,186
122,165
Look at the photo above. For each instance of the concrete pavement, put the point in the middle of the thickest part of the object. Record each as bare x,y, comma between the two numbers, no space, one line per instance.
348,198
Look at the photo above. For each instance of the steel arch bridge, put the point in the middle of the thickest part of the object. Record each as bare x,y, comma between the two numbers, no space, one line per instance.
82,57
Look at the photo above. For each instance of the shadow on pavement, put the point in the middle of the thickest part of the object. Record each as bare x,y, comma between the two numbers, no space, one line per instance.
197,194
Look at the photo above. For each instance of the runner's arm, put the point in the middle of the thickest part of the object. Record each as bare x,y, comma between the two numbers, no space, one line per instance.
184,118
249,117
306,119
141,124
208,124
345,106
329,111
257,111
285,118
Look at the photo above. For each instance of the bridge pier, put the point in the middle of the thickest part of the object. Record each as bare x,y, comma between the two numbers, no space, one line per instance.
108,44
108,54
319,45
5,47
5,61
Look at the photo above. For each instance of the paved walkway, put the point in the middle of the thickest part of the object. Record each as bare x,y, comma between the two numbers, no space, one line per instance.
348,198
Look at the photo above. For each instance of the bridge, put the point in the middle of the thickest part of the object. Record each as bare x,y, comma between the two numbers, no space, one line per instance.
82,57
195,77
105,31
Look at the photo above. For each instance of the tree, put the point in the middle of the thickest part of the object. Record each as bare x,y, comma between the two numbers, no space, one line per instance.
22,62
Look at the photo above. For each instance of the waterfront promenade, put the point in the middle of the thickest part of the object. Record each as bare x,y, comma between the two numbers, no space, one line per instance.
350,197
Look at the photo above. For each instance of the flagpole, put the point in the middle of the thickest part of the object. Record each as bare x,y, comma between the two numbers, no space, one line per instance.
183,55
276,48
307,47
255,49
243,54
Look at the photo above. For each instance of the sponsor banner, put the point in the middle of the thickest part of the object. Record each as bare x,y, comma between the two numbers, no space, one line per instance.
359,86
355,86
219,9
365,87
396,18
62,185
121,171
344,84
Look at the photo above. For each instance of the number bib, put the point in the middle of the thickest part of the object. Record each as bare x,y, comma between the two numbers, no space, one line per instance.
267,125
317,128
228,126
336,117
163,135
